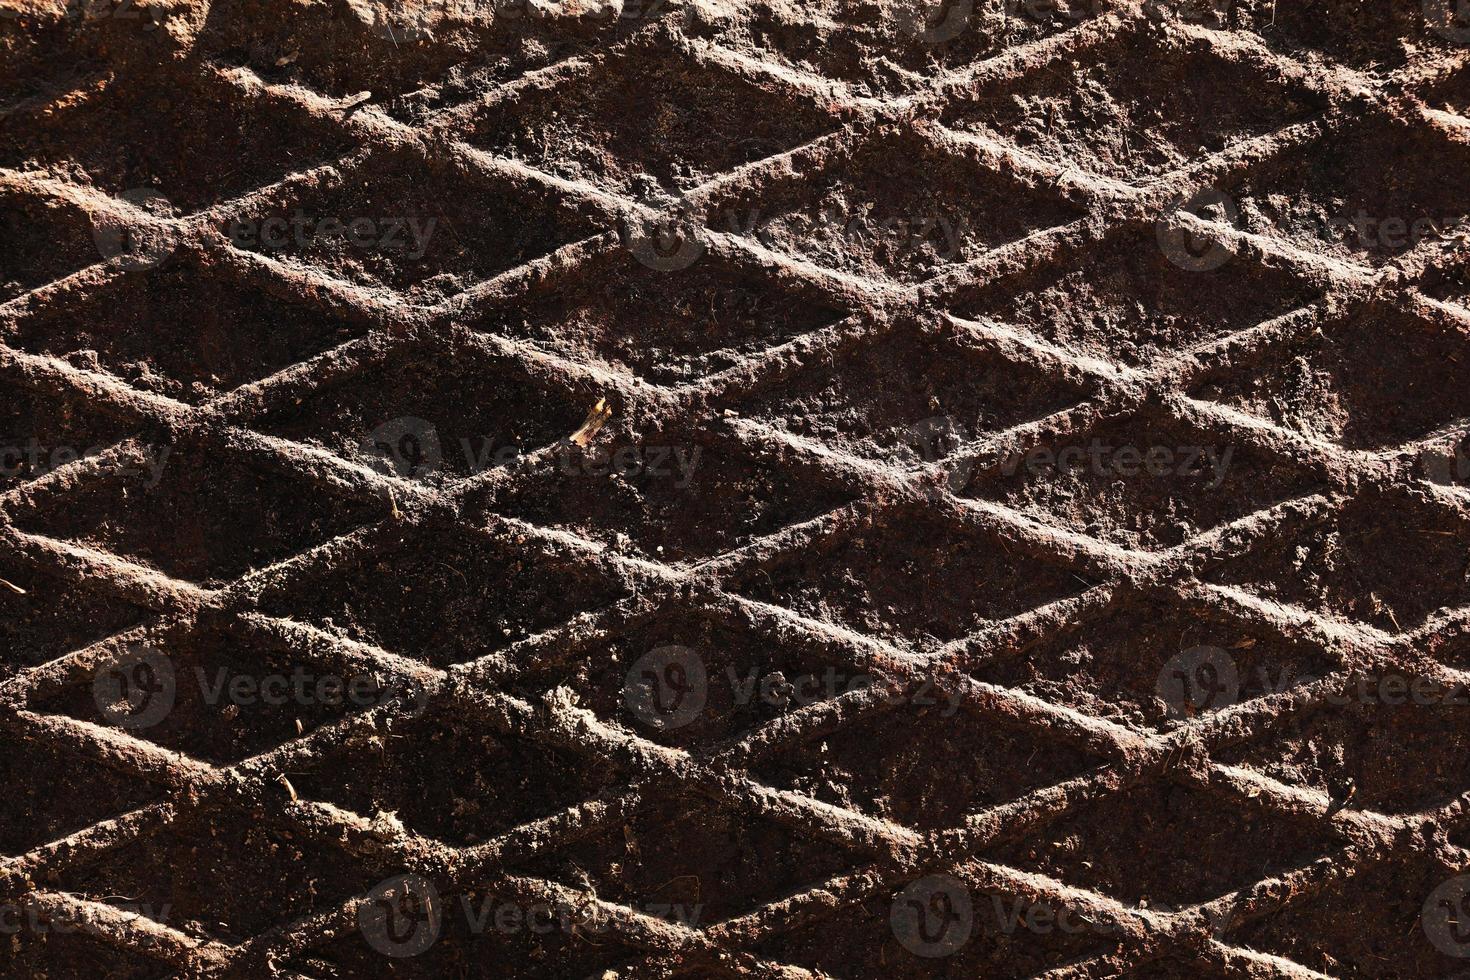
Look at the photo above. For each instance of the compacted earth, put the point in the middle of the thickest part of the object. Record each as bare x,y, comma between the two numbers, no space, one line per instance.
688,488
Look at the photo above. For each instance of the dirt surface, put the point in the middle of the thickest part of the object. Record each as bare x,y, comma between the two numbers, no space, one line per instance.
697,489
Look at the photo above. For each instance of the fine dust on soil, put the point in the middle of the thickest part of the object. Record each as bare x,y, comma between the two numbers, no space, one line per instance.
734,488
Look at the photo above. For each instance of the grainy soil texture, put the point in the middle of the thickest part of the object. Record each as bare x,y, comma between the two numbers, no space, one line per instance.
652,489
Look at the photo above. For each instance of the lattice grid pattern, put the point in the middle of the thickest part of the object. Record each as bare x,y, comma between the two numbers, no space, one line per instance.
263,594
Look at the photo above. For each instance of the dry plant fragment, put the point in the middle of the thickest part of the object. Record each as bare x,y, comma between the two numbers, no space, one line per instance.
353,102
13,587
596,419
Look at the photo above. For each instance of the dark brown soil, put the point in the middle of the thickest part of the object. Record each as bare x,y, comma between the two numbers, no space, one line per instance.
1312,196
494,226
1125,300
904,555
1373,378
582,127
46,240
874,405
1108,664
224,516
689,326
407,593
185,333
734,489
1142,107
893,206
